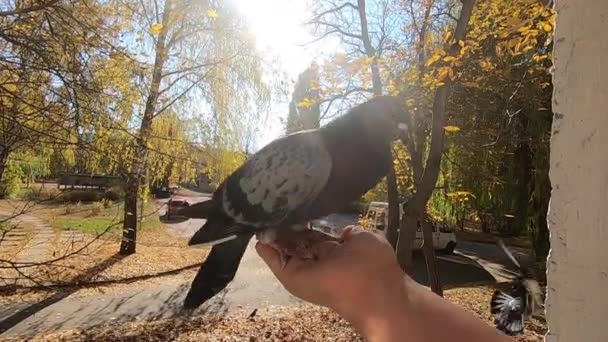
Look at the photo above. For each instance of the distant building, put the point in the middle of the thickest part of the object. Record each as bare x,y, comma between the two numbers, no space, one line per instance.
85,181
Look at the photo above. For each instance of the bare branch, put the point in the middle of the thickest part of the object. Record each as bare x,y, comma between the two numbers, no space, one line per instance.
335,9
26,10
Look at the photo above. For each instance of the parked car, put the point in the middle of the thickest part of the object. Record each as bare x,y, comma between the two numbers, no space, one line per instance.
444,238
174,206
163,192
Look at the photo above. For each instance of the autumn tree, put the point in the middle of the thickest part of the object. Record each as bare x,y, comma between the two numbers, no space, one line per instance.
200,51
504,50
499,155
47,89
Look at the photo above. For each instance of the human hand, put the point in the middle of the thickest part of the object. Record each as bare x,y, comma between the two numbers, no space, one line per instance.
361,274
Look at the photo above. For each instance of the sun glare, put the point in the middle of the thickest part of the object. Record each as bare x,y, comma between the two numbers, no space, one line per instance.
279,31
277,26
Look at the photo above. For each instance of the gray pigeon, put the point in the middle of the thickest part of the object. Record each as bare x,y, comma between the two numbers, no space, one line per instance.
524,299
289,182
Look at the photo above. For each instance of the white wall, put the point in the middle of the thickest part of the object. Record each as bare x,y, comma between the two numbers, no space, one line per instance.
577,294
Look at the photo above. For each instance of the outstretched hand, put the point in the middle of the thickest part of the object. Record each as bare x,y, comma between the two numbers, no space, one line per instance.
359,272
361,280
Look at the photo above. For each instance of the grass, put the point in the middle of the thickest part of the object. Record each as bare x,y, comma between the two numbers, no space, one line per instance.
94,218
85,224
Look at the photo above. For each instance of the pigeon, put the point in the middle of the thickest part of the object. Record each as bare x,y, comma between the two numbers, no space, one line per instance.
290,182
524,300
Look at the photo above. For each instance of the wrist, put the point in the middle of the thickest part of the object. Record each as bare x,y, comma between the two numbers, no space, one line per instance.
385,313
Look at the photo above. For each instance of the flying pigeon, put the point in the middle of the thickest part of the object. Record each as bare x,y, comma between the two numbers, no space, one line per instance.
523,300
288,183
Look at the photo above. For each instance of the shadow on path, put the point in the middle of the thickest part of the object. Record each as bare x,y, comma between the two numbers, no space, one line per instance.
30,310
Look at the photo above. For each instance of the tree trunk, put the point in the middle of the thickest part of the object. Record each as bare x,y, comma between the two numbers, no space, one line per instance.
392,231
416,207
428,249
524,177
391,180
137,176
4,153
407,233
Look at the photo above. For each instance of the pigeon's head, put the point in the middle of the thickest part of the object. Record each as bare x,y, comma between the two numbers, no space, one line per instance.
386,115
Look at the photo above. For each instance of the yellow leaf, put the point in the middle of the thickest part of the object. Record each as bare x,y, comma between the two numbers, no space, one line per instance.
392,88
547,27
461,43
449,59
211,13
156,28
433,59
451,129
448,35
444,72
440,84
451,74
409,103
306,103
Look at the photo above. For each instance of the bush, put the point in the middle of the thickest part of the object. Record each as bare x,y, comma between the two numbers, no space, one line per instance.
75,196
42,194
11,180
106,203
71,208
114,193
97,208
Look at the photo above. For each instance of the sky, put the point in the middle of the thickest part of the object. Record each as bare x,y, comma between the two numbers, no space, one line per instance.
277,26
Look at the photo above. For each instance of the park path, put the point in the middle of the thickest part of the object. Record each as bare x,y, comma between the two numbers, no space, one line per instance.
38,237
37,248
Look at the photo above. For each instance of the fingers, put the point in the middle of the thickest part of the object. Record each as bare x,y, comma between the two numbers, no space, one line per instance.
350,231
270,256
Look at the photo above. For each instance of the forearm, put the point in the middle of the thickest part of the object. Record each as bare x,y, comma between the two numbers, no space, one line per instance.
413,313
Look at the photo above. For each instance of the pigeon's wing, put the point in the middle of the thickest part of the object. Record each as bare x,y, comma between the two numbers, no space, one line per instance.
282,177
502,246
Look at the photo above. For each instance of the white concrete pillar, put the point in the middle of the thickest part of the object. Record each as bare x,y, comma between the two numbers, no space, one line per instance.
577,300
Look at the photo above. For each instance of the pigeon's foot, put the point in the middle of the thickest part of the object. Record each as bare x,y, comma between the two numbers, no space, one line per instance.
296,242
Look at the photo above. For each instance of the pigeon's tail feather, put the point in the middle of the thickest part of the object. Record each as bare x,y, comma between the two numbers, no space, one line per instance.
511,327
217,230
217,271
509,316
499,300
200,210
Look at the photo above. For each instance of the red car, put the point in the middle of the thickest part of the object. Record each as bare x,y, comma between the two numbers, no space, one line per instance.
174,205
